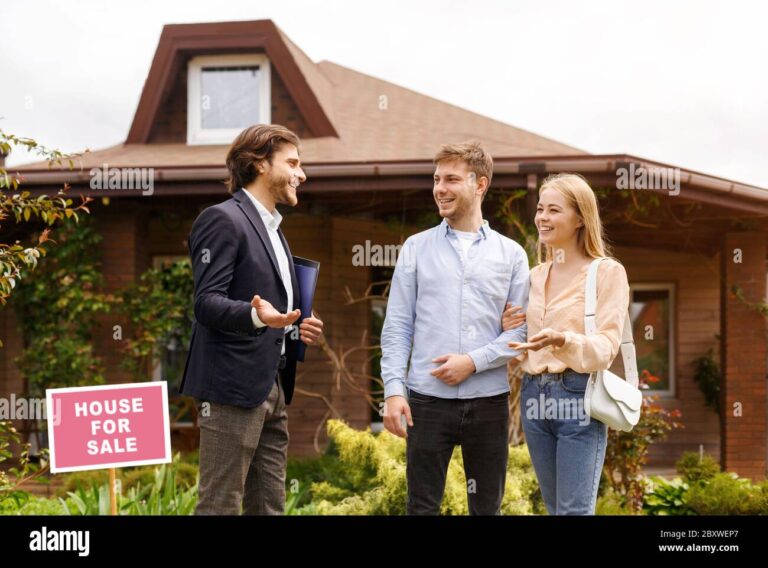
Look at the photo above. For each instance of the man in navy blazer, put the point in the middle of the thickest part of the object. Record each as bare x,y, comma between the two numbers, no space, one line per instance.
241,366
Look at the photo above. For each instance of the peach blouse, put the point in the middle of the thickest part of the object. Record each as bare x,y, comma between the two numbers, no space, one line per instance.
565,313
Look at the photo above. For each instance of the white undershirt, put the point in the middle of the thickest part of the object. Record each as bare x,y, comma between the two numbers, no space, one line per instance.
465,240
272,222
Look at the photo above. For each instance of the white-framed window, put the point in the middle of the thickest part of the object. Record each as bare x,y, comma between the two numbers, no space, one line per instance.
652,309
226,93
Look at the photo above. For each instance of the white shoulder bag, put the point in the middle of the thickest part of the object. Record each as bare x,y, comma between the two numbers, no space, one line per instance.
609,398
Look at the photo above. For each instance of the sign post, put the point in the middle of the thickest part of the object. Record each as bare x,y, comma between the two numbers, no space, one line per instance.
112,492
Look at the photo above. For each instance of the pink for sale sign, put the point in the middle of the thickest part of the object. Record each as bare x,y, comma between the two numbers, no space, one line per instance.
108,426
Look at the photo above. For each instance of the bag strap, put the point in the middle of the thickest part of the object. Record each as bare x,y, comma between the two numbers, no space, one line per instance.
628,354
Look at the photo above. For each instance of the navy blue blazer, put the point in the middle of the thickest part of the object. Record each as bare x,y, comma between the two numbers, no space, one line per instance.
231,362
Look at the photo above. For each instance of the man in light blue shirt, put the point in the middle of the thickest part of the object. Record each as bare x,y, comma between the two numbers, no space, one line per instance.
450,287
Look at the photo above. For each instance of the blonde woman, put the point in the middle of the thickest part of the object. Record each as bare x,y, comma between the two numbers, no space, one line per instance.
567,448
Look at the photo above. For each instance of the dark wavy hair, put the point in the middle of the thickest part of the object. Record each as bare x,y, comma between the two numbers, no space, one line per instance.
253,145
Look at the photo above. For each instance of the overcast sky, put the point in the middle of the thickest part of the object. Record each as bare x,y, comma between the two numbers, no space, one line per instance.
683,82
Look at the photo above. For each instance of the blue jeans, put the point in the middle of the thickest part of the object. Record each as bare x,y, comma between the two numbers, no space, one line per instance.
567,448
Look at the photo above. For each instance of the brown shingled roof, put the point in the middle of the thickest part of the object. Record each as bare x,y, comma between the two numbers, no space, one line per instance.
411,128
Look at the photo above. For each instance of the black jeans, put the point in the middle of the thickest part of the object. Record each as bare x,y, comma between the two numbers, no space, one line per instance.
480,426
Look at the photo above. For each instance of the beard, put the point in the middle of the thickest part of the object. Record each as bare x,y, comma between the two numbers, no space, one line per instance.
280,189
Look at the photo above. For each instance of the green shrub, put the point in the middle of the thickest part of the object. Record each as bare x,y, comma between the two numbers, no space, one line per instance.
129,477
162,493
372,476
302,473
32,506
612,503
295,500
666,497
367,477
73,481
727,494
694,468
93,500
164,496
185,476
11,479
58,305
159,307
522,495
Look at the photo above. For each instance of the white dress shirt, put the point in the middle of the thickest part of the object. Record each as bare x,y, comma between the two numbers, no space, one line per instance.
272,222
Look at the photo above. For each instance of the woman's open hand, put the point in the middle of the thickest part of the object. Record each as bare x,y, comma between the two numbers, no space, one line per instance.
542,339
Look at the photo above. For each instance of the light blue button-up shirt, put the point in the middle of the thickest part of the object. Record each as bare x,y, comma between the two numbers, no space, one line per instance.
441,302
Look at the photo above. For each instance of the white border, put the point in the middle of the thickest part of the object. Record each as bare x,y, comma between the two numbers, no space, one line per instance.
198,135
51,440
669,287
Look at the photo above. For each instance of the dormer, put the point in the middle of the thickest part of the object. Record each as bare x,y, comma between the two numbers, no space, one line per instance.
209,81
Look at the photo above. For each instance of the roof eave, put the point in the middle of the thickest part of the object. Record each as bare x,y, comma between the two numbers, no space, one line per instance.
696,186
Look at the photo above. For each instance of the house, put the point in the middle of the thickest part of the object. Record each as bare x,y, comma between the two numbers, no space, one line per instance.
368,147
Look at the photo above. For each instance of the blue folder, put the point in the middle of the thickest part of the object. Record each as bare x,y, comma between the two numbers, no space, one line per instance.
306,276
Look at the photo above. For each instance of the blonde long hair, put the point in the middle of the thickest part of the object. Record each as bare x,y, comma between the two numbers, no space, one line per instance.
580,196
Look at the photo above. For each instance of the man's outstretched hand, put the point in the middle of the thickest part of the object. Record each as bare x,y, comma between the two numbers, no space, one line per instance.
270,316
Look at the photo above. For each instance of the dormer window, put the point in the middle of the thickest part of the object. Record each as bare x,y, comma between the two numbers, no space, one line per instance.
226,94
